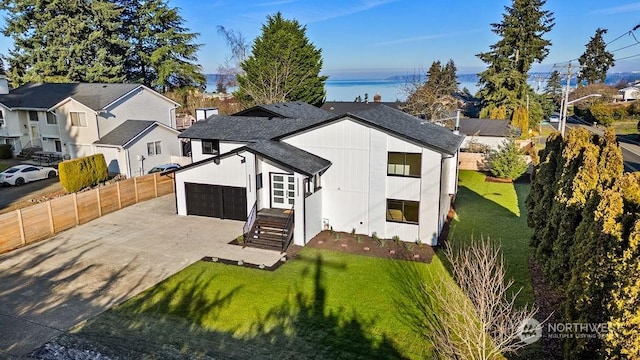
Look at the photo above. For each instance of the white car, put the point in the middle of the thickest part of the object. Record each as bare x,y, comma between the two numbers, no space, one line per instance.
165,167
21,174
554,118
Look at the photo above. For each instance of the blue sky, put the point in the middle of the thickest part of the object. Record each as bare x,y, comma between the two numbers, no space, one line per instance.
378,38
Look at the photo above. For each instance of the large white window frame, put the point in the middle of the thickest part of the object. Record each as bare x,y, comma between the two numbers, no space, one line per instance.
78,119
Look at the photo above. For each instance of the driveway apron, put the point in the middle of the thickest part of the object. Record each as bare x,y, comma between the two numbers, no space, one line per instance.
47,288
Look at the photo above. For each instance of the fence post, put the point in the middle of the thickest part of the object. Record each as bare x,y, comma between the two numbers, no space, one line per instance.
99,202
119,197
21,226
135,187
75,207
155,183
53,230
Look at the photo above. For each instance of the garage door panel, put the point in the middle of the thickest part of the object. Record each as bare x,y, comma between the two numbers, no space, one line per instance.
234,201
227,202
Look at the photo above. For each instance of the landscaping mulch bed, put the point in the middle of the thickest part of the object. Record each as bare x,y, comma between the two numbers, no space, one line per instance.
367,246
549,306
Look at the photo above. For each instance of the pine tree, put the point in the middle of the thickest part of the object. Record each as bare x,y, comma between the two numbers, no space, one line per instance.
62,41
553,89
161,51
504,82
283,66
596,60
434,99
2,69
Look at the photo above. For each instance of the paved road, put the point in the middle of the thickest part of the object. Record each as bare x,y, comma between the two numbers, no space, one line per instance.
47,288
630,151
10,196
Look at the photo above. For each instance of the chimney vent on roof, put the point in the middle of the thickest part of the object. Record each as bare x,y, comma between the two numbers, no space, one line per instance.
377,97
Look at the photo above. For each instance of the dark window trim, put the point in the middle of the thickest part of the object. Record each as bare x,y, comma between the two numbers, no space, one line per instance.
400,221
404,163
215,145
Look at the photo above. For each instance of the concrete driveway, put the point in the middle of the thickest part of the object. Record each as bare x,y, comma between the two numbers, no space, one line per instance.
49,287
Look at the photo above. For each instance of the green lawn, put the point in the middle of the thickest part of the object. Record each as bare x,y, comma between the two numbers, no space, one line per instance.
321,305
496,211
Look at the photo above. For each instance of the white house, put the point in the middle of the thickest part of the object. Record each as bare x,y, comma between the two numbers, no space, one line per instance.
69,120
629,93
377,170
488,132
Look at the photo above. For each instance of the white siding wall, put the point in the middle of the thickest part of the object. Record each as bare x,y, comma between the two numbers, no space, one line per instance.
313,215
230,172
78,139
267,167
356,186
140,104
12,125
345,185
169,143
114,157
491,141
226,146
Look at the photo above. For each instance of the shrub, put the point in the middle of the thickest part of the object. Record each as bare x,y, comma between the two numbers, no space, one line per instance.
83,172
5,151
602,113
507,162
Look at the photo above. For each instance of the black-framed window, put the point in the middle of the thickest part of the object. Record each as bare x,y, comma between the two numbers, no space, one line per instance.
404,164
210,147
403,211
259,181
33,115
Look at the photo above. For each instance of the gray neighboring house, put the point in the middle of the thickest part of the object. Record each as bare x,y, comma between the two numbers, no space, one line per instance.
136,146
489,132
292,170
69,119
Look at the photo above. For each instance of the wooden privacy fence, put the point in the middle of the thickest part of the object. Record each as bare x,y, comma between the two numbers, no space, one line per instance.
37,222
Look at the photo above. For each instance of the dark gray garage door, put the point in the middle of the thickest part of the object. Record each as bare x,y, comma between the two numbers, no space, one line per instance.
225,202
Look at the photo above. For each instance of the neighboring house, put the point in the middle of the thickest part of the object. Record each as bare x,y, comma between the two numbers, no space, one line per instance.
136,146
630,93
377,170
489,132
68,119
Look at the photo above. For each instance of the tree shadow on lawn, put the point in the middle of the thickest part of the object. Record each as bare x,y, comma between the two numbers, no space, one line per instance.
164,324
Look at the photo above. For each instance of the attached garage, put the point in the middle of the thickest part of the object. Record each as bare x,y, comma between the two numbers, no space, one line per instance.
225,202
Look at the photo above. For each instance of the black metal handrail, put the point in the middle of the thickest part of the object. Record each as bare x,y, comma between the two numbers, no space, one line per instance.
287,233
251,219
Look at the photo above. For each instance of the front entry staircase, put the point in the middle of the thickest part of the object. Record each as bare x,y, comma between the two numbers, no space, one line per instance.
272,229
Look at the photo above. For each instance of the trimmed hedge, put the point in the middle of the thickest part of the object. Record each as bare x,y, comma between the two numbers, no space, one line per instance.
84,172
5,151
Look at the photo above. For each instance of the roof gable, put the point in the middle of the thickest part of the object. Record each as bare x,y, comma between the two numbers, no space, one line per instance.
128,131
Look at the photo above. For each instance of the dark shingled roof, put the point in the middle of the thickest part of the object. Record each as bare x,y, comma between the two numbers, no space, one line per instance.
289,156
125,132
484,127
343,107
44,96
243,128
292,110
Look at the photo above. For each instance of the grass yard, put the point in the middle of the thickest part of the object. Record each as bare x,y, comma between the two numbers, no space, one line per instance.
497,211
625,127
320,305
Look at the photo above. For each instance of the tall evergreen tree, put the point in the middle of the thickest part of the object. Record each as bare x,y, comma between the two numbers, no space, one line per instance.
596,60
553,89
161,52
283,66
522,42
63,41
2,69
434,98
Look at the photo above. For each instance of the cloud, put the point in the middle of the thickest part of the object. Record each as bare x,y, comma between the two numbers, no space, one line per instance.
618,9
341,10
426,37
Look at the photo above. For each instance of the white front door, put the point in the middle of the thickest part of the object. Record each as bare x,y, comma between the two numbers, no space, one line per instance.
35,136
282,191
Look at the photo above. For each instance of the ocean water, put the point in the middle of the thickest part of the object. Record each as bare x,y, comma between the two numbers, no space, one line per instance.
348,90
